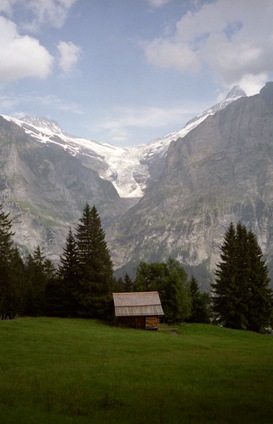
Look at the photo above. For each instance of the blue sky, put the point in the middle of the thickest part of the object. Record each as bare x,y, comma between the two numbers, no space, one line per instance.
128,71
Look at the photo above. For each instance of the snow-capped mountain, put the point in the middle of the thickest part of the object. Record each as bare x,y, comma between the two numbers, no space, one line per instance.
118,165
160,145
216,170
220,172
127,169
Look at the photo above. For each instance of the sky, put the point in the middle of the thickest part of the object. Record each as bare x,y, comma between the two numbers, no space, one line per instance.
126,72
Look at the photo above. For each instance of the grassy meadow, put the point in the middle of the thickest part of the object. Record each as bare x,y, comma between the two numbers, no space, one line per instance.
56,371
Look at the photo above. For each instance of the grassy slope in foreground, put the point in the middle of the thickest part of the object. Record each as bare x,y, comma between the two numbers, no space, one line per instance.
81,371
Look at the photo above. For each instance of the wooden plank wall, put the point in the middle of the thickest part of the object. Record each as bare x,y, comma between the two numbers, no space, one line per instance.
140,322
132,322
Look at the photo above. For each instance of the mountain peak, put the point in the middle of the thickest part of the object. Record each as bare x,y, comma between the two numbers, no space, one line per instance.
43,124
235,93
267,90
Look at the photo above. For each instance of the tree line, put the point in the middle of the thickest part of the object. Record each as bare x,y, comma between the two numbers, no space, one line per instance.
80,286
82,283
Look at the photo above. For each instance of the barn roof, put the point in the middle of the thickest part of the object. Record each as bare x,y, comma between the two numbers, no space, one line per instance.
137,303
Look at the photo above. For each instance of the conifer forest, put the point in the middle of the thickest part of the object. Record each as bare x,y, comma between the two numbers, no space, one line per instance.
82,283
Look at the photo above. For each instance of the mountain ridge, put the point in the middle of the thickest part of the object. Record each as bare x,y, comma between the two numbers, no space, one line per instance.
129,170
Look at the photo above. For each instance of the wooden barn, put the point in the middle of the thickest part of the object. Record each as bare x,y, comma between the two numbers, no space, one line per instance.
138,309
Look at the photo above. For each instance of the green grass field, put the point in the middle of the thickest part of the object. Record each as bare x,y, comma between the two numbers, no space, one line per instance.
56,371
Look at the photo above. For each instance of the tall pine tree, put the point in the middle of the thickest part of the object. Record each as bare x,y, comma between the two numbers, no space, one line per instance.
5,236
35,304
260,300
175,298
8,282
241,296
69,277
96,271
200,303
18,281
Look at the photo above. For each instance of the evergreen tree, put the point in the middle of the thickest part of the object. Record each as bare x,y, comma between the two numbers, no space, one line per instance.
53,294
36,284
5,236
260,300
96,271
18,280
150,277
225,289
241,296
176,297
200,303
123,285
69,276
69,262
49,269
8,283
128,283
118,285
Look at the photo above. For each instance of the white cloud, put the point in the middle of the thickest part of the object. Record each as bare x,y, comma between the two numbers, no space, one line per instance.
56,102
21,56
141,117
117,133
7,5
233,38
170,54
157,3
124,120
52,12
150,117
252,84
10,104
69,55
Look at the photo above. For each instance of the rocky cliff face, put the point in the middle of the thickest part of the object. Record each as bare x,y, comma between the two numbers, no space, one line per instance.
221,171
